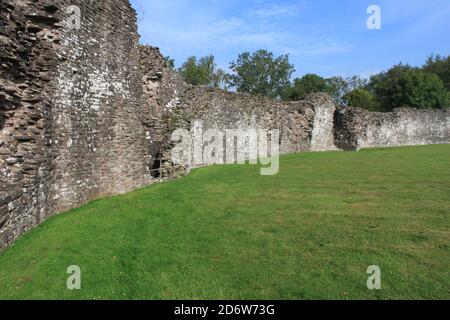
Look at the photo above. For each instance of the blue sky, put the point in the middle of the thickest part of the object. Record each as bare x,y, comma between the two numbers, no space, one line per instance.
327,37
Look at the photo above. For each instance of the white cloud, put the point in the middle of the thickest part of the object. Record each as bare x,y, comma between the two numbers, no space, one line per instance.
278,11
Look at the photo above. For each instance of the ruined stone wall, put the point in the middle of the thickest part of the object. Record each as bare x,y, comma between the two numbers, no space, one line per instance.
70,109
314,124
28,48
356,129
304,125
97,139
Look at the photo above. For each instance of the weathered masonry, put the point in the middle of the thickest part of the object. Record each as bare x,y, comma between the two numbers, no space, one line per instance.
87,112
71,105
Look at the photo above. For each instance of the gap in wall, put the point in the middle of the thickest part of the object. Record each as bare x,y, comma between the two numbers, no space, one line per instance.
2,120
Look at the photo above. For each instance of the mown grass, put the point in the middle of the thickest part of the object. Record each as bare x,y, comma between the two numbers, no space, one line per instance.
226,232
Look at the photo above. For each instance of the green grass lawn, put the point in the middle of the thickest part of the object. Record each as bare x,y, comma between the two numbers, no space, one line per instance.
226,232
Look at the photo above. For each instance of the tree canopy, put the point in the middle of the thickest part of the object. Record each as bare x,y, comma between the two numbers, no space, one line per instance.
309,83
404,86
170,63
203,72
440,66
261,73
362,98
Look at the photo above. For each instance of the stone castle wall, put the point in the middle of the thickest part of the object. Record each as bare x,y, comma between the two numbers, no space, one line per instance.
97,138
71,104
314,124
356,129
28,46
88,112
304,125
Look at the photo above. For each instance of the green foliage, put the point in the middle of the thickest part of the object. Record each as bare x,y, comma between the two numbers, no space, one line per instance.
355,82
192,73
261,73
309,83
225,232
400,86
403,85
441,67
218,78
362,98
337,87
170,63
202,73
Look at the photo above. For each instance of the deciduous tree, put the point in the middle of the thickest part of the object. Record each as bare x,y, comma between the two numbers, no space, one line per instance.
261,73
